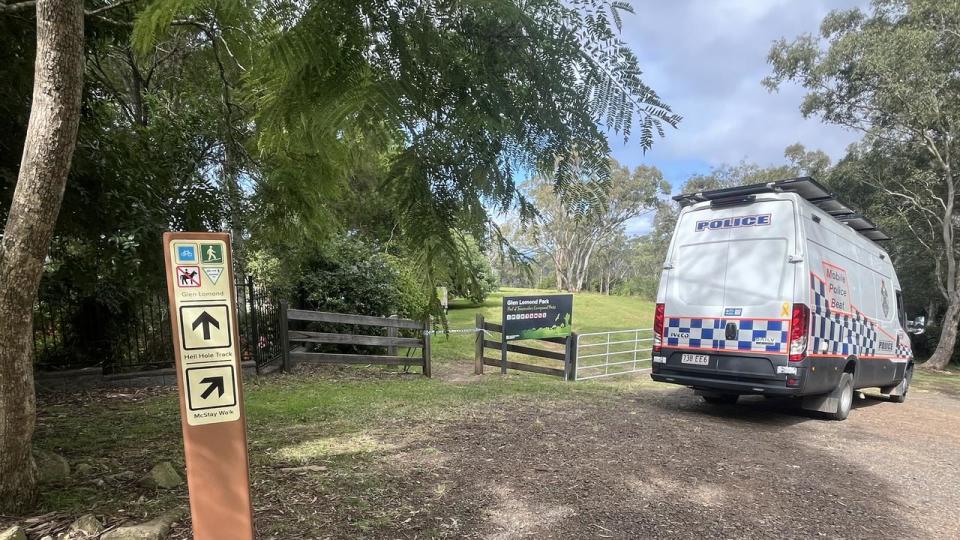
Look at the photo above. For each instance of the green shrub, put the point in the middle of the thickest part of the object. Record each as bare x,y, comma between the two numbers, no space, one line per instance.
352,276
477,277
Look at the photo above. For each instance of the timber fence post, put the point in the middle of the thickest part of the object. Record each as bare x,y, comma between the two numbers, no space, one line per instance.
478,348
570,360
284,336
427,335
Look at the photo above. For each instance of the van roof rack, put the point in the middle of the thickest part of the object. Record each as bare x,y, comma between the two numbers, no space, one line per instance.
804,186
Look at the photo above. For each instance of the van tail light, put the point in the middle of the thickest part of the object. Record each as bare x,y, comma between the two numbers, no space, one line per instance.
799,330
658,328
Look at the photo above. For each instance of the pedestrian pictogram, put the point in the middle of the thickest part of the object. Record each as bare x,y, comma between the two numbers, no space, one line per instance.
211,387
188,276
205,326
213,272
211,253
186,253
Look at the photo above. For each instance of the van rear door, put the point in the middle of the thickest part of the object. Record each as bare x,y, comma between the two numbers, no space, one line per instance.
731,274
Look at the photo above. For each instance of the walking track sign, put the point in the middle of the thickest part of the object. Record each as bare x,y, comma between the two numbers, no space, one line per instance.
204,320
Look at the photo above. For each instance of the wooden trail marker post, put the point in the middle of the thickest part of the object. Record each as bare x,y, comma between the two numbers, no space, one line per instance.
203,316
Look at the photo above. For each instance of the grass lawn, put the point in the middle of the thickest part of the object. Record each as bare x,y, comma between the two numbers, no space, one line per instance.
947,382
591,313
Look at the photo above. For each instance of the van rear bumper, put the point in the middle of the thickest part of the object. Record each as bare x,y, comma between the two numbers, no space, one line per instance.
731,373
732,385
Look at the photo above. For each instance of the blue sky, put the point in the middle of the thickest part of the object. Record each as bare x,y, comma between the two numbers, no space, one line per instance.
706,59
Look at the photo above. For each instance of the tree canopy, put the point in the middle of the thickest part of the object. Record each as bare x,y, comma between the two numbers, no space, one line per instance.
892,74
451,100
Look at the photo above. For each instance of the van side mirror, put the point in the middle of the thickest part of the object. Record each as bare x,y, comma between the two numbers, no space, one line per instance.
917,326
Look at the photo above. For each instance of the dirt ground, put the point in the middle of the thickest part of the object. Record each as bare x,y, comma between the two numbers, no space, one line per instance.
663,464
657,463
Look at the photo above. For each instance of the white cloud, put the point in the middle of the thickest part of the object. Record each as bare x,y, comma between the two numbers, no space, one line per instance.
706,58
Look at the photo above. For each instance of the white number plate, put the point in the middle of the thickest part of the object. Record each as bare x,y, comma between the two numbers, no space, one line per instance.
695,359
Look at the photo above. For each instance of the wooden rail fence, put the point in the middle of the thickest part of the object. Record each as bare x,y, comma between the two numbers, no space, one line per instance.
567,358
391,341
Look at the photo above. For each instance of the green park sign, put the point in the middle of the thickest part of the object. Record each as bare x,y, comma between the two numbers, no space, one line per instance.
537,317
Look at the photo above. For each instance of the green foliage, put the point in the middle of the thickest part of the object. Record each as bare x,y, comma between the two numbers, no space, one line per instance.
891,71
291,124
450,100
480,279
351,276
856,177
800,162
146,147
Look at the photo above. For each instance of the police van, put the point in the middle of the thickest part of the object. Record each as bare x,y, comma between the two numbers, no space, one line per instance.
779,289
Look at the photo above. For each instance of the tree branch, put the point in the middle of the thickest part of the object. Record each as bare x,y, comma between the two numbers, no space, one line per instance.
18,7
32,4
108,7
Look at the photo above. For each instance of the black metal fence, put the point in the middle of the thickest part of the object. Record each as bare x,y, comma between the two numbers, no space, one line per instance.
135,335
259,324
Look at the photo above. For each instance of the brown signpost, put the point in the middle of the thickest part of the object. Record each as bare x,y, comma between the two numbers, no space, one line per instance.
205,340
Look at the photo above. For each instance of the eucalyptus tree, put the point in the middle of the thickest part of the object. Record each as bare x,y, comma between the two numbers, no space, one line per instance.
799,162
915,246
894,74
571,227
614,261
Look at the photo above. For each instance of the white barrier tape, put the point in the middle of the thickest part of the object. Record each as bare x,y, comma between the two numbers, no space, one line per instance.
452,331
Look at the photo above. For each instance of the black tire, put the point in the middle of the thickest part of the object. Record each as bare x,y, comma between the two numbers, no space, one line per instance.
845,391
722,399
903,387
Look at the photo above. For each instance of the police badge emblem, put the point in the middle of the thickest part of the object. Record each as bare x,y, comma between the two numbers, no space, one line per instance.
885,298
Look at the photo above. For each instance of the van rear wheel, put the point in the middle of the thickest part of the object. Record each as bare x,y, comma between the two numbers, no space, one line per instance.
845,398
721,399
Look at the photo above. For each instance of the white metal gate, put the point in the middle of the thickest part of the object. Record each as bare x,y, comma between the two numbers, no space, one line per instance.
605,354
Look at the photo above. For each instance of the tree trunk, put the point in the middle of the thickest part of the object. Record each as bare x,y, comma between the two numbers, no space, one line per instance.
948,337
47,151
931,312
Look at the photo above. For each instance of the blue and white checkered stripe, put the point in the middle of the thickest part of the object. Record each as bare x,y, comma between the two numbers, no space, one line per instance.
903,349
843,334
708,333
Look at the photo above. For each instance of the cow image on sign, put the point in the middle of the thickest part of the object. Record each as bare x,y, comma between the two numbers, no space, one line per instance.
203,316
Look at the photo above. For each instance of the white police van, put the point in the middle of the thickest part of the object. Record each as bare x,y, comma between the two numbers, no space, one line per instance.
779,289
